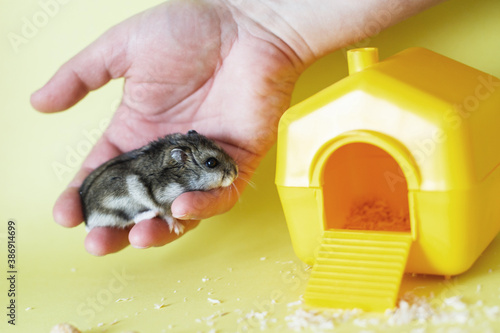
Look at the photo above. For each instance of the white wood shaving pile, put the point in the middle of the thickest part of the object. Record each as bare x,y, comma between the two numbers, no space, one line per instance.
319,320
411,309
262,319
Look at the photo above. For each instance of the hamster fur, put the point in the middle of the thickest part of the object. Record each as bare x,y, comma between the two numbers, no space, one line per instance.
143,183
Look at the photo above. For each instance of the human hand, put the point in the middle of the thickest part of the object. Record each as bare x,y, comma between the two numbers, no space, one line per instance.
224,68
187,65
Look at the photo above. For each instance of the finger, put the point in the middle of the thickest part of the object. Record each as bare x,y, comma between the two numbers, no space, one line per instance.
88,70
68,208
202,205
155,232
102,241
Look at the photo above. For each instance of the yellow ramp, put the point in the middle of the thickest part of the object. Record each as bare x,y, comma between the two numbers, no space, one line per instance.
358,269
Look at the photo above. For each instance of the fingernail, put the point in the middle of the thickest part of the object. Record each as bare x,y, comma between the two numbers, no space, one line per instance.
139,247
185,217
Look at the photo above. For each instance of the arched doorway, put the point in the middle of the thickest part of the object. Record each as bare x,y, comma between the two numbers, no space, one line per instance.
364,188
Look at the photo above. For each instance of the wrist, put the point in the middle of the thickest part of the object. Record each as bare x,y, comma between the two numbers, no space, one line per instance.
258,19
310,29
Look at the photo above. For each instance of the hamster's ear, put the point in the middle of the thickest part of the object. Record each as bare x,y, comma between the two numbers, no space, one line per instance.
179,155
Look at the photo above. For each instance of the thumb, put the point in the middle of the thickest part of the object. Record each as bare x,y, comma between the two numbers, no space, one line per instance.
90,69
202,205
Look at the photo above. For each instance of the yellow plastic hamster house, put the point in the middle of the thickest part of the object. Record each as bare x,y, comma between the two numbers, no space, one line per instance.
392,169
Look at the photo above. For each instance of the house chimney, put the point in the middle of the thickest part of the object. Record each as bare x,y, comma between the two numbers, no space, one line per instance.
359,59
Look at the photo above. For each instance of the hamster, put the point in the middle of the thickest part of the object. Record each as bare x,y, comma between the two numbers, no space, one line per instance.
143,183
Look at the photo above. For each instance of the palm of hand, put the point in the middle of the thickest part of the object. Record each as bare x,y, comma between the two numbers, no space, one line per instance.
186,66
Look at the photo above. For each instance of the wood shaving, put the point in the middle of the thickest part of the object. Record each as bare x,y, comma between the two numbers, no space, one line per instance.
64,328
119,300
210,320
376,215
214,301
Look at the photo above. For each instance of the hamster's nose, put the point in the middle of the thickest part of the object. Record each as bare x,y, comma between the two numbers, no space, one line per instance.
229,176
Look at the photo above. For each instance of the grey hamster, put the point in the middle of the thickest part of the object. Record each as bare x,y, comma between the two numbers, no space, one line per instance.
143,183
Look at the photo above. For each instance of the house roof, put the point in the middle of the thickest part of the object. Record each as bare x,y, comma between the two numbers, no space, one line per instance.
438,115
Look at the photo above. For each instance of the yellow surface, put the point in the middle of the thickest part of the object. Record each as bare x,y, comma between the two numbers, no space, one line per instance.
413,129
246,254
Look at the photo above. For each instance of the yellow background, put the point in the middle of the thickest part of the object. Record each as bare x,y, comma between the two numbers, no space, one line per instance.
243,258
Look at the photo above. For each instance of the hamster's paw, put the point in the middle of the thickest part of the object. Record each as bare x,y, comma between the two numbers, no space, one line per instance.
175,225
149,214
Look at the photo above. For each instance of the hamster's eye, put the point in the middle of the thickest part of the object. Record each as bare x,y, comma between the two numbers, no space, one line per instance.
211,162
